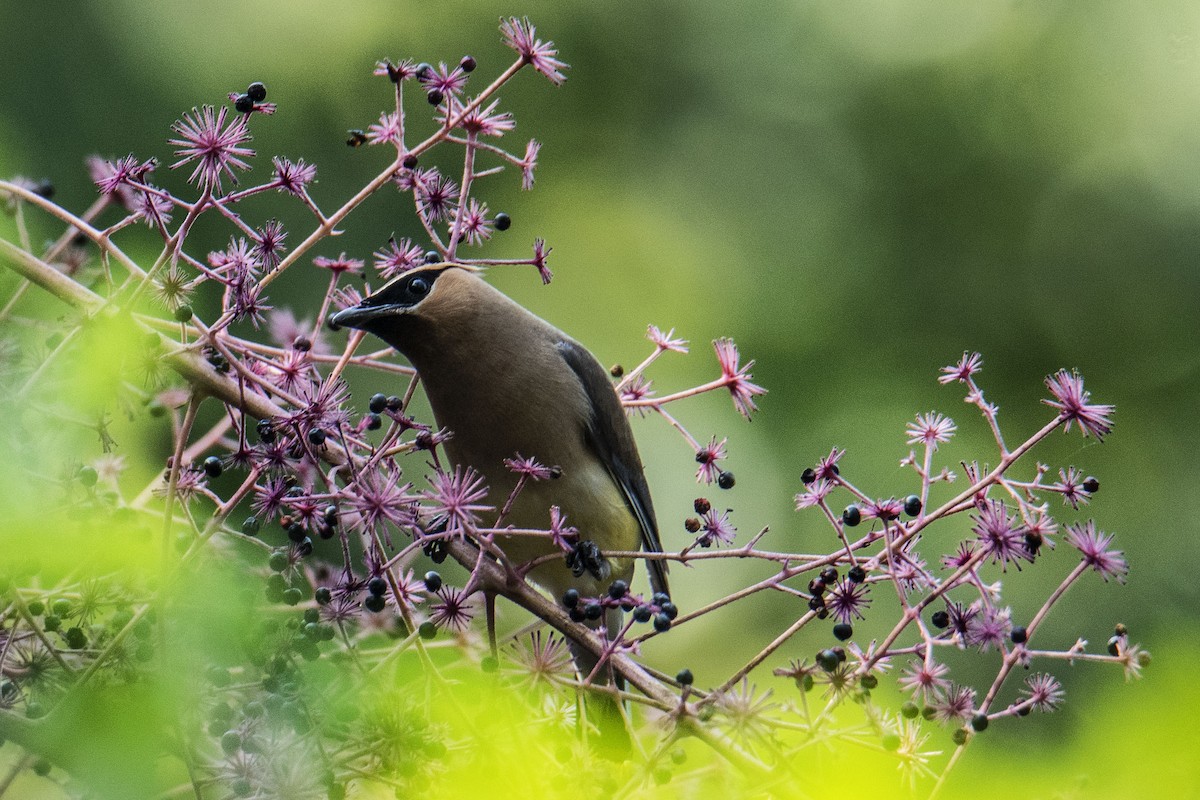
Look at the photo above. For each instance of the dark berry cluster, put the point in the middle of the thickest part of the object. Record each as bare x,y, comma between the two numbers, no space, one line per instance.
659,609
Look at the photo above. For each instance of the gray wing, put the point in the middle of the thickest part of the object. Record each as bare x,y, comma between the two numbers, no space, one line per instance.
610,436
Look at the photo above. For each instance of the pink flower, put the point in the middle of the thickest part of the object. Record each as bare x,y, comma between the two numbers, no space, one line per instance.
400,71
1073,486
475,227
563,535
540,252
925,682
967,366
529,163
342,263
814,494
379,497
1073,404
639,388
827,467
455,498
481,121
1043,692
293,176
400,255
386,130
448,82
716,528
1093,544
214,146
437,195
1001,536
520,35
663,341
737,378
930,429
530,468
707,457
452,610
847,599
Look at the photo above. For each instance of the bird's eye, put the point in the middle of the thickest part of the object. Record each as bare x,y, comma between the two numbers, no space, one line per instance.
418,287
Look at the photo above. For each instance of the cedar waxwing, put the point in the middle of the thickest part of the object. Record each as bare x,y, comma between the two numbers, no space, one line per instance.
505,382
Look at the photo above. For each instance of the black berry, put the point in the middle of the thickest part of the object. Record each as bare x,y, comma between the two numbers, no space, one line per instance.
852,515
257,91
503,221
912,505
433,581
212,467
725,480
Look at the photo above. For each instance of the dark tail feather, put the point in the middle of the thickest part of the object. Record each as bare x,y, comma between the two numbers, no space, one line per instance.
602,710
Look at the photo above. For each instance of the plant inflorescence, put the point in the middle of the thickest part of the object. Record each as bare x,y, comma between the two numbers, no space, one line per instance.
349,657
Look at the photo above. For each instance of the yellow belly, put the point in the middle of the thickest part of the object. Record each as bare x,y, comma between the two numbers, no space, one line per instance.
593,504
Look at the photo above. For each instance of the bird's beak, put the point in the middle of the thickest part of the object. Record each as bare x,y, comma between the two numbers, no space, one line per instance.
359,316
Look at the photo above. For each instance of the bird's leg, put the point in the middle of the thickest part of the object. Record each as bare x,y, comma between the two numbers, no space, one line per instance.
489,604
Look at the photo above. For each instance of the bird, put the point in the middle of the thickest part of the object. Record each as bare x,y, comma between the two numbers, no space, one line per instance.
506,384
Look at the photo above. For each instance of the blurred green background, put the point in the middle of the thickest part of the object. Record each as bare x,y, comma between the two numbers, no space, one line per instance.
857,192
